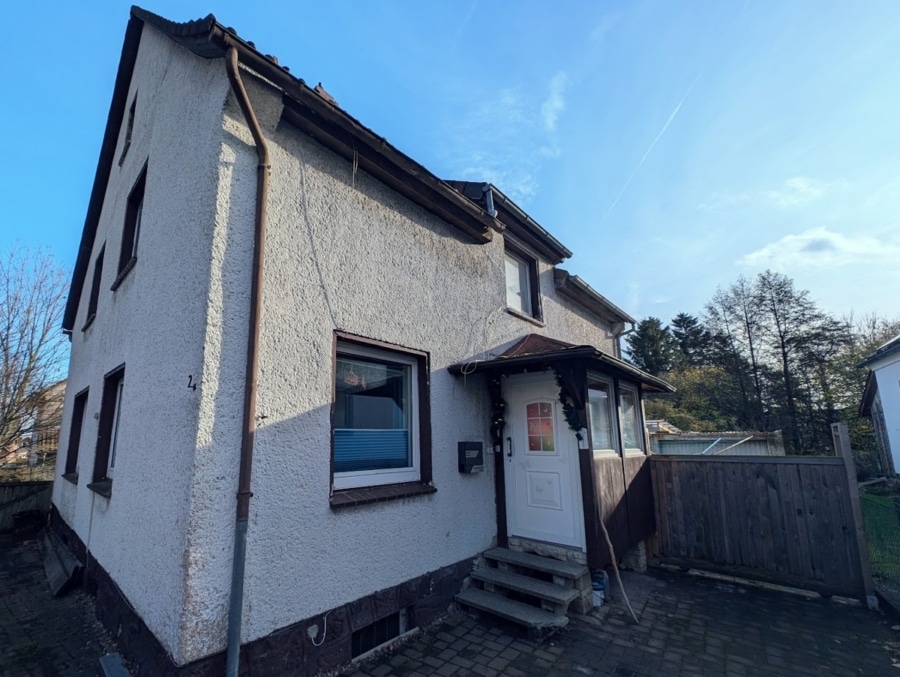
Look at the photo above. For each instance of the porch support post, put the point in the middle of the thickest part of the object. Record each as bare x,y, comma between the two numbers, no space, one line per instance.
498,424
573,392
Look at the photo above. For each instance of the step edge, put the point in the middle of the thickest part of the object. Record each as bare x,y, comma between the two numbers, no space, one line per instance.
550,619
553,566
563,595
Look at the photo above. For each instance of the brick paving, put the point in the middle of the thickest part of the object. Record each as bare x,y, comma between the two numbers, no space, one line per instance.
688,626
43,636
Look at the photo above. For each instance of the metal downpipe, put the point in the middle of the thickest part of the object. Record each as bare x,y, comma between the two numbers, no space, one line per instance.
236,603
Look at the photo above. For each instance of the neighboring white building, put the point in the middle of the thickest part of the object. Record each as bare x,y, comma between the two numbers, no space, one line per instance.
881,402
384,295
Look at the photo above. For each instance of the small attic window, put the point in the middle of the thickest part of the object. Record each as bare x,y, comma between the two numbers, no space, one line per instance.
523,293
128,130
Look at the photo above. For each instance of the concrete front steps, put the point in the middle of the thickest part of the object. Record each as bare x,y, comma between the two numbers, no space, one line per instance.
533,591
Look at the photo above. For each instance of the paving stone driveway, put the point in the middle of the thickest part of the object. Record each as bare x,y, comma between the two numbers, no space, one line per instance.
688,626
41,636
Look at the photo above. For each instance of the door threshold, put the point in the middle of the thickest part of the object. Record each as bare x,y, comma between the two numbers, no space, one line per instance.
565,553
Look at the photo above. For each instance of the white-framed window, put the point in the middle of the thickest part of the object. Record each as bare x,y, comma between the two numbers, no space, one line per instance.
629,410
602,417
518,285
375,437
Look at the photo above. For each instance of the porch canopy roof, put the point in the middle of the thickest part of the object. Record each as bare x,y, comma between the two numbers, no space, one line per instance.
539,352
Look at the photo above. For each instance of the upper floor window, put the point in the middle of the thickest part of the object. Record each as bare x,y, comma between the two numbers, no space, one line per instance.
132,229
95,288
522,289
129,129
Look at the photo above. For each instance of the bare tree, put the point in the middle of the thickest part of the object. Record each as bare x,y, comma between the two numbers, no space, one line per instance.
33,349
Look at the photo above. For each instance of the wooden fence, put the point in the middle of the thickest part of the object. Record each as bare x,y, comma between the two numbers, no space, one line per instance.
21,497
787,520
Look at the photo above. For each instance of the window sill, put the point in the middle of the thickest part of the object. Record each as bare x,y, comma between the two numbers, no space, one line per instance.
387,492
103,487
522,316
70,477
88,322
123,273
605,453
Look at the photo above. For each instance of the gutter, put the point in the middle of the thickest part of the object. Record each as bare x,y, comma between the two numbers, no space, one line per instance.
559,250
236,604
584,294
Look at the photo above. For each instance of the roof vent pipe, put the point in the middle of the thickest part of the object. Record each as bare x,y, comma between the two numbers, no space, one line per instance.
489,200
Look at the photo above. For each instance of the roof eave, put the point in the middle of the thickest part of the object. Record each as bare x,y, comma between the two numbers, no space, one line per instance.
209,39
576,289
546,360
514,220
104,167
888,349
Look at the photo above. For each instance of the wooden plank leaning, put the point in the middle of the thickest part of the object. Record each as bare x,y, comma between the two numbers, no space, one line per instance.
842,448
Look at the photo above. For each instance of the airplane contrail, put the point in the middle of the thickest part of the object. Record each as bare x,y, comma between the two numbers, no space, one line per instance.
649,149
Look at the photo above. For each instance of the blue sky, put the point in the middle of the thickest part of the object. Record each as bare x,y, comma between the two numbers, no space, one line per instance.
671,145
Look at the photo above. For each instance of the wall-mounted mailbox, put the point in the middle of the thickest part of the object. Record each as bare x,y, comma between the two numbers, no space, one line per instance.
471,457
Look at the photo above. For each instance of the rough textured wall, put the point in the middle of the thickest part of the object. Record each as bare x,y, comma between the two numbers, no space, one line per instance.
569,321
153,323
342,253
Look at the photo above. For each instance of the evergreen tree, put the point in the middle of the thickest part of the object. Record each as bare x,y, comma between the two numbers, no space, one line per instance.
651,347
693,340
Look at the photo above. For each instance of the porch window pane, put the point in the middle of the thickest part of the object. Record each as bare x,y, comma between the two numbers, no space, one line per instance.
601,418
630,422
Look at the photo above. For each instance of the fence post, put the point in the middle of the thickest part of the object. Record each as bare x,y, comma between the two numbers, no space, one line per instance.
842,448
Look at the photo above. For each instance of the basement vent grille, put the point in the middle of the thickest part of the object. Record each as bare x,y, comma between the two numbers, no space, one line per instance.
380,632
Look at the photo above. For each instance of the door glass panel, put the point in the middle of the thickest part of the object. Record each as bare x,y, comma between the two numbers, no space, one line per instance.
539,417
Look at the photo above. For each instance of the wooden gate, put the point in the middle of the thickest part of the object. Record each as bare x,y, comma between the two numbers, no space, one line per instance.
787,520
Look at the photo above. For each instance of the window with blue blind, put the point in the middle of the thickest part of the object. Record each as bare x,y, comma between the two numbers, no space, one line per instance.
375,417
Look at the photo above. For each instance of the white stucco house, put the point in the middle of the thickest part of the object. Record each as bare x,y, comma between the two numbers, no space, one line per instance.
881,402
290,342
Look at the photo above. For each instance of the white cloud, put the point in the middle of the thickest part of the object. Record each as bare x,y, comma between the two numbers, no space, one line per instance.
822,248
717,202
555,102
507,137
797,191
793,192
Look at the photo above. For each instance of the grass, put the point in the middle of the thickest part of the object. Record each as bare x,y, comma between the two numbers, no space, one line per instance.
881,519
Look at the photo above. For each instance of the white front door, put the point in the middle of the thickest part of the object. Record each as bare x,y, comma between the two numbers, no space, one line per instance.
543,482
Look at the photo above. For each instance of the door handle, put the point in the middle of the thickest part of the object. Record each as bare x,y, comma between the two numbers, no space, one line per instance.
509,449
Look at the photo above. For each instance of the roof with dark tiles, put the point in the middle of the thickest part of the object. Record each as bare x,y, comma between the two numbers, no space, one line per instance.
535,351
